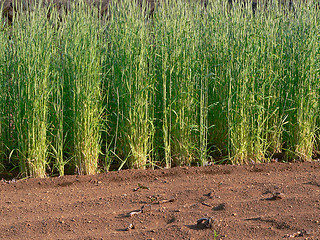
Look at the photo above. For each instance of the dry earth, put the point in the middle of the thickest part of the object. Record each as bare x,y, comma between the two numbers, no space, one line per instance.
262,201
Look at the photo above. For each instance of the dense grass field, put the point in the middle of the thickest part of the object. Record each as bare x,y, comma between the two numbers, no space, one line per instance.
83,93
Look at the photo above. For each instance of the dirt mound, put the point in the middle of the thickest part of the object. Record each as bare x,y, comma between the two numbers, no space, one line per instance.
261,201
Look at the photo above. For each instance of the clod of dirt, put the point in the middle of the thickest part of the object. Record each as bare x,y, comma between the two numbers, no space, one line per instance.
299,234
94,181
277,196
131,226
134,213
313,183
140,187
207,222
9,181
144,208
206,204
220,207
153,198
171,220
166,201
143,187
210,195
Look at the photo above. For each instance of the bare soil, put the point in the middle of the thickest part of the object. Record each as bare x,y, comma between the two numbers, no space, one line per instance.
261,201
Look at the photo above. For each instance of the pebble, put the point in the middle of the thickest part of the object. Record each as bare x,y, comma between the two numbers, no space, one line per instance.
131,226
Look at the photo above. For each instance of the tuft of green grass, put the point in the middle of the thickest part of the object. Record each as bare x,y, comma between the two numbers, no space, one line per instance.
3,94
32,52
81,49
131,82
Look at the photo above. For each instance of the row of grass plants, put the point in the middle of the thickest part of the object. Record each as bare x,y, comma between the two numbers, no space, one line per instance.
183,83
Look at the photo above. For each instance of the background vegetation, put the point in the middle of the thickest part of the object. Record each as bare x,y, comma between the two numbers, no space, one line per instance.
81,93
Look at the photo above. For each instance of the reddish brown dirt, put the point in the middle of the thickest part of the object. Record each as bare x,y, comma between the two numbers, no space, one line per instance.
239,198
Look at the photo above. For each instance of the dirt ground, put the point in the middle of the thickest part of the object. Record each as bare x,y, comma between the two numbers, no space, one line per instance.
261,201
